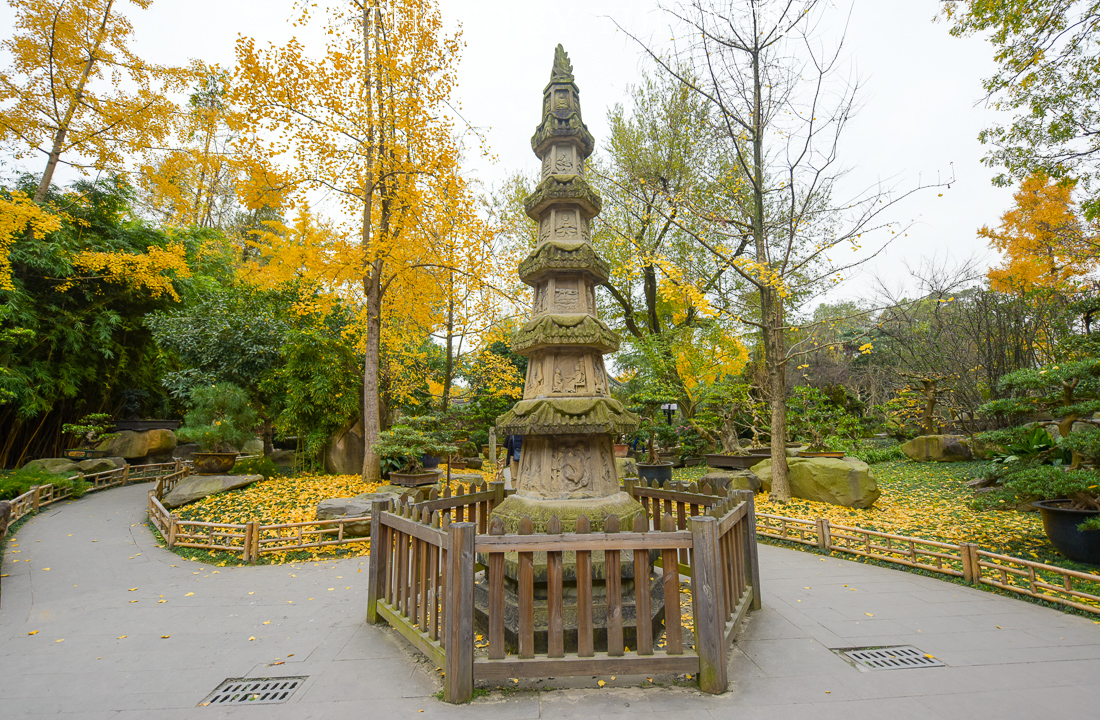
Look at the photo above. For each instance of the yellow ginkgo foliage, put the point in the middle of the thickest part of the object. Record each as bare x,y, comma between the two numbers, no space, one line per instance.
75,90
1045,243
17,214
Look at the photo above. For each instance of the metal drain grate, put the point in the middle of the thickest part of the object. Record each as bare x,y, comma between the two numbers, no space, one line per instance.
254,691
897,657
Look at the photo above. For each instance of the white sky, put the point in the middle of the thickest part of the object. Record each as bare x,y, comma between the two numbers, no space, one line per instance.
918,120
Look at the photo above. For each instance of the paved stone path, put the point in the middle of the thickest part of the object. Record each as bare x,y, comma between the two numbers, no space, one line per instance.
106,579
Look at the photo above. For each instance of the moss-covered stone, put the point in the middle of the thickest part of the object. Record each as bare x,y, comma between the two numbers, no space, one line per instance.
558,256
540,510
567,416
938,448
565,330
838,481
563,188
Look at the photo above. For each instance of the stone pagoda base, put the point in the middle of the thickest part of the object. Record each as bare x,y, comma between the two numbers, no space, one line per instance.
540,510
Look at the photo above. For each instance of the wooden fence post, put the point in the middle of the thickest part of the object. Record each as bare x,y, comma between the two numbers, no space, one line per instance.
967,566
178,465
975,563
126,474
172,530
379,549
707,605
752,558
34,498
824,535
458,683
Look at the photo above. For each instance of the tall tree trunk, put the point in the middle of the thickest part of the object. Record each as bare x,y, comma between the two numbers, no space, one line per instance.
70,111
372,471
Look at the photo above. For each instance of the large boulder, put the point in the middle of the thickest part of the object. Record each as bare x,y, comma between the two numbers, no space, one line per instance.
938,448
283,458
353,507
255,446
196,487
344,455
838,481
98,465
57,466
140,445
728,480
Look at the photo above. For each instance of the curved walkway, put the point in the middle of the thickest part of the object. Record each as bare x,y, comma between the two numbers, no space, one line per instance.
122,627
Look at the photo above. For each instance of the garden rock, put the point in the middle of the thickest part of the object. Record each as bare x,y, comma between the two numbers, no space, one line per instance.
5,516
732,480
938,448
1081,426
255,446
626,467
134,445
838,481
98,465
462,477
283,458
185,451
353,507
1053,431
57,466
345,451
196,487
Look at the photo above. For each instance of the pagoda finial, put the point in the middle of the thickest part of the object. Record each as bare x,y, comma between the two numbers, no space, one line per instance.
563,69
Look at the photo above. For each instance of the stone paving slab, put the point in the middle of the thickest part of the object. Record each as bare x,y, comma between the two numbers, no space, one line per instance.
307,619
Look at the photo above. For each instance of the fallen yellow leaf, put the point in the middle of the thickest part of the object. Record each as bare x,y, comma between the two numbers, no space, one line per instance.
33,632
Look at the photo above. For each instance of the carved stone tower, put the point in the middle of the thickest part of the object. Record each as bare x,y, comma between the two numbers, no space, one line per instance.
567,417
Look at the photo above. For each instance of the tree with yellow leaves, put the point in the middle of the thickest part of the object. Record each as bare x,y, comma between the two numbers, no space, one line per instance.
75,93
1044,241
366,126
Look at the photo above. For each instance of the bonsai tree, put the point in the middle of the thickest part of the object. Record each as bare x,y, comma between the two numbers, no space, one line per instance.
647,402
91,429
406,445
221,418
811,414
1067,391
726,408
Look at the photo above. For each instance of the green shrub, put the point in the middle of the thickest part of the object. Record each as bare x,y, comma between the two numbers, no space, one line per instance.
1085,443
872,456
221,420
262,465
14,483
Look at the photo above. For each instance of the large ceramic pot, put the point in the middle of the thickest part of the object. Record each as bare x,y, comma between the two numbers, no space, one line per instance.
212,463
413,479
662,471
1061,524
732,462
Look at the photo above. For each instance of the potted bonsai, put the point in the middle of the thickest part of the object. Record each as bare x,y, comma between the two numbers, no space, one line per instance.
91,429
221,420
691,445
813,415
647,403
728,408
406,446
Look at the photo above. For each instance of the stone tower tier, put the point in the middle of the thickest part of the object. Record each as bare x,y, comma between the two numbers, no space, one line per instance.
557,256
560,188
568,416
567,331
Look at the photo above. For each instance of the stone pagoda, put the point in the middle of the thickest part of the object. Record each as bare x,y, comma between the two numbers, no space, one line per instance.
567,417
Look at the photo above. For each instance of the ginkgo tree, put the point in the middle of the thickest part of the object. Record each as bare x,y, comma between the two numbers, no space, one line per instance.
75,93
365,127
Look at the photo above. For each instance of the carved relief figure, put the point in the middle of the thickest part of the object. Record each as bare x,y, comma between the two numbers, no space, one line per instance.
561,100
591,298
544,230
599,382
563,164
569,383
546,165
566,225
536,377
608,471
573,461
565,298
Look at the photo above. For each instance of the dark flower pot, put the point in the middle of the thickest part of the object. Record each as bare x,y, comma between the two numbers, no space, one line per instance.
429,462
413,479
733,462
1061,524
662,472
694,461
457,464
211,463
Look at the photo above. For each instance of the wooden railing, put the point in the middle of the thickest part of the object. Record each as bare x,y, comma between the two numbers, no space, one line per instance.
423,567
963,560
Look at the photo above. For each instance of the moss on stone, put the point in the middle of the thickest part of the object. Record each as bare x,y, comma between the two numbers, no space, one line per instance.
556,255
563,188
541,510
567,416
566,330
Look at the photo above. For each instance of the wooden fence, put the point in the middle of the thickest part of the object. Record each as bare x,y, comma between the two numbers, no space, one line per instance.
963,560
250,540
423,570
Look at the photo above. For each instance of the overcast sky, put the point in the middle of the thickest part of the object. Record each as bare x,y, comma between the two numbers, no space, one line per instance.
919,118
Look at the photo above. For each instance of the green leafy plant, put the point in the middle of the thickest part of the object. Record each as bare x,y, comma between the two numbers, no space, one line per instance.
221,419
262,465
813,415
647,402
91,429
14,483
405,444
